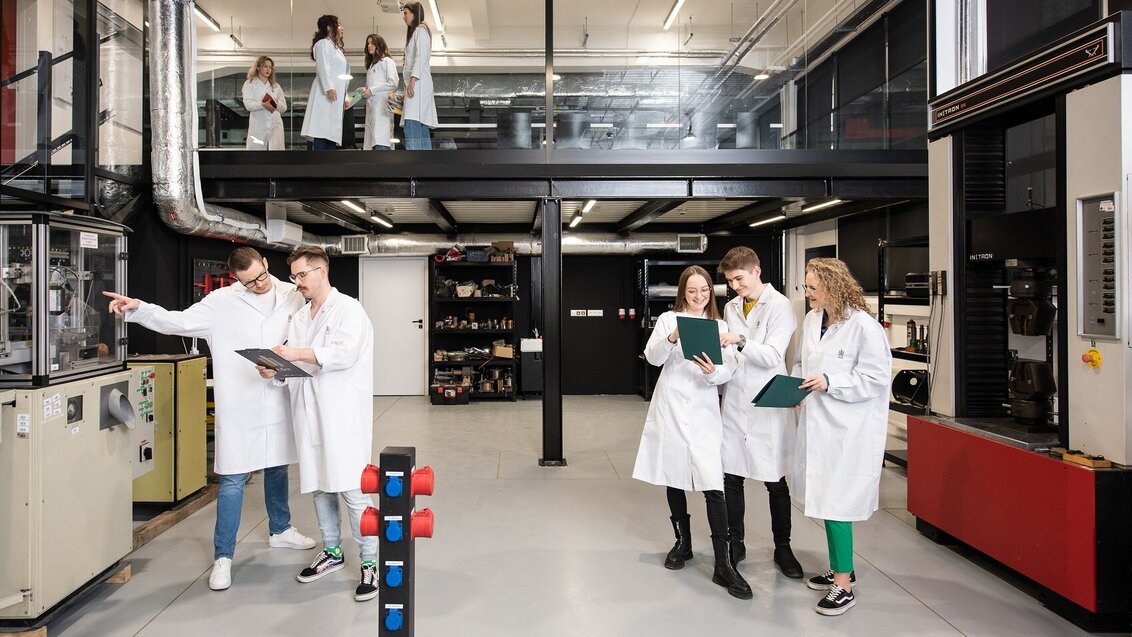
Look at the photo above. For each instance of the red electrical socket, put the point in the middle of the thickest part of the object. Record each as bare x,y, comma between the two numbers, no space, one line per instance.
420,525
371,479
422,482
371,522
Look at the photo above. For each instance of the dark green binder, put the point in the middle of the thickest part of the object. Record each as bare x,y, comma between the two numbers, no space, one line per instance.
781,391
699,336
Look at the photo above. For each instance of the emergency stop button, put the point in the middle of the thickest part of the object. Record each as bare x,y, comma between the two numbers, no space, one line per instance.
1092,358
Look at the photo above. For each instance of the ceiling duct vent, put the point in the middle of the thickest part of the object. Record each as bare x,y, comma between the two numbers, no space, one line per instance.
691,243
355,244
389,6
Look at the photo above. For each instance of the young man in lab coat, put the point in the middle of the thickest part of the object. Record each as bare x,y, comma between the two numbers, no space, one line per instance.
331,338
757,441
252,427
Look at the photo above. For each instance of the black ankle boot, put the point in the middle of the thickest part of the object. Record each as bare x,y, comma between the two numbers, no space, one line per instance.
682,550
786,562
725,574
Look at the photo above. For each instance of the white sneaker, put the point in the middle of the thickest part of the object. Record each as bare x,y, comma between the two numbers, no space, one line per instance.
290,539
221,577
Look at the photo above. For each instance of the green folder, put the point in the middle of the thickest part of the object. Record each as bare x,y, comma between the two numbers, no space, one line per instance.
781,391
698,337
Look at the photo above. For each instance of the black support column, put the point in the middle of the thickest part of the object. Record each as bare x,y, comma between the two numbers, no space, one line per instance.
552,334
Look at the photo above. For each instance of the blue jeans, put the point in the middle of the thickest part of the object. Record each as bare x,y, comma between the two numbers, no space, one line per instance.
379,147
329,521
324,144
230,501
417,136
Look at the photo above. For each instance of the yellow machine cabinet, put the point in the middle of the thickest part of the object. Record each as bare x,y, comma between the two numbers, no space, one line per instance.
179,439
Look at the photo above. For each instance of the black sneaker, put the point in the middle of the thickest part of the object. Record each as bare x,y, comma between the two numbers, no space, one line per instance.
825,580
367,588
325,563
836,602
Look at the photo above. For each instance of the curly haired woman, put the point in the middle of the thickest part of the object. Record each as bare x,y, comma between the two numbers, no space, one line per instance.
843,355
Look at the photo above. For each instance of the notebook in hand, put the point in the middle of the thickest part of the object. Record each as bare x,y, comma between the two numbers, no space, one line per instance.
267,358
269,100
699,337
781,391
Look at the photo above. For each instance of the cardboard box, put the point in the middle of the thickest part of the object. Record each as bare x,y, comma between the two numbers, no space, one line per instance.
500,349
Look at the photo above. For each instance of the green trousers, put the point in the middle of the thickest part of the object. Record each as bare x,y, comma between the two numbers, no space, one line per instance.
839,535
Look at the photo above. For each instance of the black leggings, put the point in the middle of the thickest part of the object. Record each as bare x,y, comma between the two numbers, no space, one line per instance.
779,495
716,509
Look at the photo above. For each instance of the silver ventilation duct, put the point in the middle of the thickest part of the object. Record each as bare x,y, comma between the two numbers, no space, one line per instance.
173,113
574,244
176,182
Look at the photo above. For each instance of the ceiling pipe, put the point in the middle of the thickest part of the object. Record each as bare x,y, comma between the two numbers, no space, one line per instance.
173,159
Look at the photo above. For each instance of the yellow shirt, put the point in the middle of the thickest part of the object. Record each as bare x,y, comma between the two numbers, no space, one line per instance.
748,306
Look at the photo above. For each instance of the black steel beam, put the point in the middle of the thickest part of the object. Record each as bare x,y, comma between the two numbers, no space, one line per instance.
441,216
327,212
265,188
746,188
646,214
883,188
552,335
743,215
481,189
621,189
536,223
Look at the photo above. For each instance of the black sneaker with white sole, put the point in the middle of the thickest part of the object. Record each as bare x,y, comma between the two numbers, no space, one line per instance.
836,602
324,564
367,588
825,580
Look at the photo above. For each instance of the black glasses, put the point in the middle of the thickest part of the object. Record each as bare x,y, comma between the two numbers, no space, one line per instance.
259,279
299,276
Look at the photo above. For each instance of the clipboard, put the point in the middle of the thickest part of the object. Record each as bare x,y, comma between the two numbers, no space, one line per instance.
354,97
283,368
781,392
699,336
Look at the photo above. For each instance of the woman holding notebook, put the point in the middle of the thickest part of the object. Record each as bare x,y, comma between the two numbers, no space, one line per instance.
681,442
266,103
843,356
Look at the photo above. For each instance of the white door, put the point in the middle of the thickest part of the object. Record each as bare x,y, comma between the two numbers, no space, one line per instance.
394,292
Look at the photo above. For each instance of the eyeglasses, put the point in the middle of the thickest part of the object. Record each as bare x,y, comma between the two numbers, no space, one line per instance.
259,279
299,276
810,288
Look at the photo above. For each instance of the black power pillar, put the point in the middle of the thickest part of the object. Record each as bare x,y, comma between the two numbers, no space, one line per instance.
552,335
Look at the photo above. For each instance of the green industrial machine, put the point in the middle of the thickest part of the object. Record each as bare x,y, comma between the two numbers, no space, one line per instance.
179,440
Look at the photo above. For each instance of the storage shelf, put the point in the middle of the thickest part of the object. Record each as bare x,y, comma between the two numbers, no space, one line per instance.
492,395
911,356
438,332
477,299
475,264
911,410
478,362
905,300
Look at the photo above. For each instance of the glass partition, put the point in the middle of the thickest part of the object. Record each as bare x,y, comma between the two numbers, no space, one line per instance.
688,74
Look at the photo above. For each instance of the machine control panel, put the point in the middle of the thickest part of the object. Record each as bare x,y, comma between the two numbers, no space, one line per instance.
1098,245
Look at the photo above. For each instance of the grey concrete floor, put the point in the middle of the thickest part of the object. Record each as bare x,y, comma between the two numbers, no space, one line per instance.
578,550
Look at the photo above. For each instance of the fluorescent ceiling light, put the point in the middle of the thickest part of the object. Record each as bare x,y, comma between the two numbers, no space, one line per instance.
777,125
555,77
766,221
664,125
762,75
589,206
672,14
434,10
394,140
601,125
353,206
377,217
209,20
576,219
824,204
345,76
236,40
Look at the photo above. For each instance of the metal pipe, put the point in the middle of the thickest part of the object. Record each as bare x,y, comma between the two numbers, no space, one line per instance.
525,244
174,162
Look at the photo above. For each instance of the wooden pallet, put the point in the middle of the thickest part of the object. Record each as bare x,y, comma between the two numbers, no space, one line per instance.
165,520
120,573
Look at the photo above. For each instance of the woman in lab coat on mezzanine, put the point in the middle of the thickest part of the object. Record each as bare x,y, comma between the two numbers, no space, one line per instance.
419,113
265,121
683,436
844,357
381,77
323,121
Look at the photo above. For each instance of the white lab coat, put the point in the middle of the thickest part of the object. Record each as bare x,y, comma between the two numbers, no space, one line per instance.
842,432
324,118
381,77
422,106
332,411
680,444
265,129
758,441
253,428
